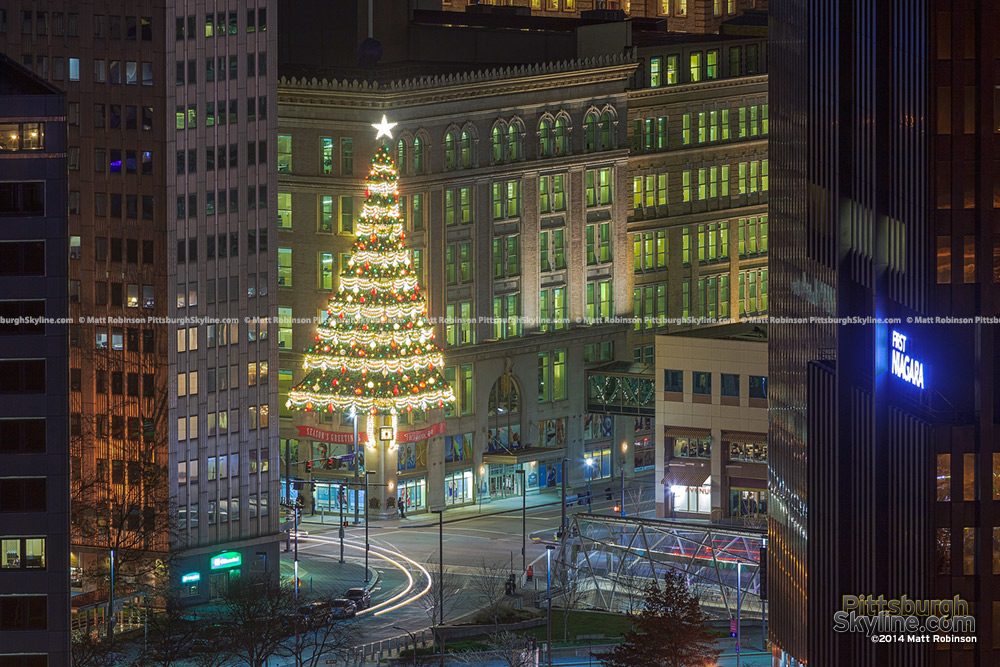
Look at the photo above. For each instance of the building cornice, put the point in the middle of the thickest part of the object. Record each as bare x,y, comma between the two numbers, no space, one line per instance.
454,87
700,87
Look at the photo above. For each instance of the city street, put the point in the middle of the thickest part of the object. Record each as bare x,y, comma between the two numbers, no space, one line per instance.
408,549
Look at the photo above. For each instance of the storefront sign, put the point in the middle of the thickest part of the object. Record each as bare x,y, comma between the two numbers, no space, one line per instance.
314,433
226,560
903,365
191,578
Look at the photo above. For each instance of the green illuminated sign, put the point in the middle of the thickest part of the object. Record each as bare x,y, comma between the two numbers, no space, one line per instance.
227,559
191,578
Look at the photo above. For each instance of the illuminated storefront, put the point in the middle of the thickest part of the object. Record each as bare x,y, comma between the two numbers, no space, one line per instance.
459,487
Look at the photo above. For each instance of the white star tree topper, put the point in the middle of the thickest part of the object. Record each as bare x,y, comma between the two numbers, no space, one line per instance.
384,128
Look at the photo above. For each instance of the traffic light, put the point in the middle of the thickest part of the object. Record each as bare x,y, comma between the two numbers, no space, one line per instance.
329,463
617,508
607,490
309,466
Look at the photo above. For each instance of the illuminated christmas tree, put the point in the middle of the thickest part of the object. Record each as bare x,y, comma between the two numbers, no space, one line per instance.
375,352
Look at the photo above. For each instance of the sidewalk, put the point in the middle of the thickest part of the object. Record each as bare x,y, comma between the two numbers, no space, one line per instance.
454,513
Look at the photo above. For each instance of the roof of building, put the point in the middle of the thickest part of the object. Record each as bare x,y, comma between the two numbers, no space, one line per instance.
15,79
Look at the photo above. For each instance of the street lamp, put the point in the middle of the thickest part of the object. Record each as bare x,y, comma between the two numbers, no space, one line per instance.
524,520
413,638
624,453
367,574
590,476
357,462
548,588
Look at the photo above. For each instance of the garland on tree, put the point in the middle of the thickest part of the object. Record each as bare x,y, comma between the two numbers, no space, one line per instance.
375,353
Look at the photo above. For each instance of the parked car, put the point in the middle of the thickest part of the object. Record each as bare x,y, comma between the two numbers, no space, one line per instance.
343,608
361,598
315,613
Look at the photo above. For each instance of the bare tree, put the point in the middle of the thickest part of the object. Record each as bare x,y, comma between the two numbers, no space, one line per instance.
511,649
490,581
90,649
452,593
312,645
171,634
570,596
120,483
255,616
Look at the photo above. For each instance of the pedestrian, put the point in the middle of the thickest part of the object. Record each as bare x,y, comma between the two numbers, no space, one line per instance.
402,514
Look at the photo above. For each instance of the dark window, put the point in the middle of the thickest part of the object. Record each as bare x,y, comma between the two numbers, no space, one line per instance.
75,379
147,342
25,660
132,251
22,376
133,385
148,388
22,494
147,252
730,384
22,199
10,311
701,383
673,380
23,612
22,435
758,386
22,258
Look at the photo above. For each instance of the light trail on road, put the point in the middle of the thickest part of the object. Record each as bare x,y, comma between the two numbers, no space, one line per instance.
384,554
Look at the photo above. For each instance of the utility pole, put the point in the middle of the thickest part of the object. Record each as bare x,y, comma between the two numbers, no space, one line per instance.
357,462
548,577
739,602
341,497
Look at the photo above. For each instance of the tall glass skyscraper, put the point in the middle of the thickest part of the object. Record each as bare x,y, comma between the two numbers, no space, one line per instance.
882,466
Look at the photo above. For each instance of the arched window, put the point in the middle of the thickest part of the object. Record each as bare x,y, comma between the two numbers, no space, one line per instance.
450,150
418,155
561,137
497,139
545,138
401,156
513,143
504,396
590,132
606,131
466,149
504,422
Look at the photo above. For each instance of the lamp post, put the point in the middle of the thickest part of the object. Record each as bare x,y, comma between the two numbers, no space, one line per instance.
440,615
480,487
739,602
524,521
357,462
624,453
341,497
367,574
548,594
590,476
413,638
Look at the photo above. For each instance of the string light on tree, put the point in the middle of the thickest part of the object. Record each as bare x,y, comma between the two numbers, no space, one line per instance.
375,352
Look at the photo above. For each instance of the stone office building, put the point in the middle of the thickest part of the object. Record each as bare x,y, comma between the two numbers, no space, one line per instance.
513,186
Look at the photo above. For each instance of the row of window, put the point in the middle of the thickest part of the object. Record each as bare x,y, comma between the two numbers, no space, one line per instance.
187,161
121,384
220,24
228,510
123,294
134,28
110,116
701,448
696,66
216,68
701,383
22,435
257,417
187,206
652,134
651,190
221,113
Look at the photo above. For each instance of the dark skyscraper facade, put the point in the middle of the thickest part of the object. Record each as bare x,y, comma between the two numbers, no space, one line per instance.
883,476
34,370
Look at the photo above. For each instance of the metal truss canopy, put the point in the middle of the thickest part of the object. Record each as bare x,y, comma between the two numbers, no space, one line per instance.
614,558
622,389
